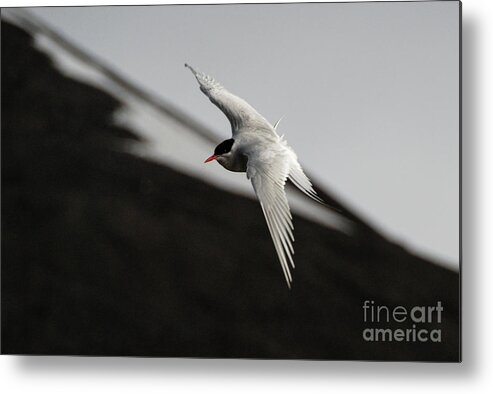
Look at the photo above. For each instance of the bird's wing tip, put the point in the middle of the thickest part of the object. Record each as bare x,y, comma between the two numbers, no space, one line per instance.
194,72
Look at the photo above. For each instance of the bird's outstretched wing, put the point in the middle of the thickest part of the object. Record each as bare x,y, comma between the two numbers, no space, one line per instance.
240,114
268,173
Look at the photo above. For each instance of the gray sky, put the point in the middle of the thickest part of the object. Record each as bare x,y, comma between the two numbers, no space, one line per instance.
369,92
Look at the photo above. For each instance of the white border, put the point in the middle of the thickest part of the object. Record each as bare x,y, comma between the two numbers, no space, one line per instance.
86,375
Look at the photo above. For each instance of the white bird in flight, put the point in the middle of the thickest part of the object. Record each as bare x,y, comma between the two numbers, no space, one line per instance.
257,149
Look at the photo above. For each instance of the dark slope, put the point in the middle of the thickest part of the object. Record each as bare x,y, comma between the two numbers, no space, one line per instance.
104,253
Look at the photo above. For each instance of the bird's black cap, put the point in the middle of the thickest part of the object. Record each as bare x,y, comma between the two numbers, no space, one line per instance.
224,147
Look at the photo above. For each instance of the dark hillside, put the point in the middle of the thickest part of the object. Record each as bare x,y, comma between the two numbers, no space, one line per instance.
104,253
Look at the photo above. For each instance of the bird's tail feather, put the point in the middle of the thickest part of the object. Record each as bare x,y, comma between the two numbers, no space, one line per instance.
302,182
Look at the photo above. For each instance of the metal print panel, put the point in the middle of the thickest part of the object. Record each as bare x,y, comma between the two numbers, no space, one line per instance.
155,204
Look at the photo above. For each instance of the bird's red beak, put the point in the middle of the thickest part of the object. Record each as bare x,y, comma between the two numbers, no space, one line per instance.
213,157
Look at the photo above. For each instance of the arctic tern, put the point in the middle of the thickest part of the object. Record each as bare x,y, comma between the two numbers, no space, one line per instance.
257,149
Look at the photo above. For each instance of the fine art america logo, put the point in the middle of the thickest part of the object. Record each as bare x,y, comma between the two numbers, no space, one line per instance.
415,324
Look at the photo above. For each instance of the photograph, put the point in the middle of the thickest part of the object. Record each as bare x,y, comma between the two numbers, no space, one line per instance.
232,181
